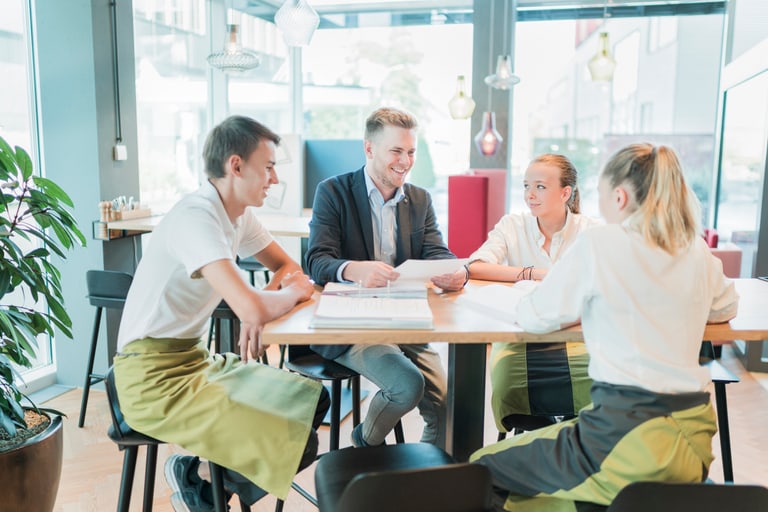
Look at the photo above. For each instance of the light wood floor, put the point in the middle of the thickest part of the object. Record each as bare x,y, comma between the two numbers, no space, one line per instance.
92,463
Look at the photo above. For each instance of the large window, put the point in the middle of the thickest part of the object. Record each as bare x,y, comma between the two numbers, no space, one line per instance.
664,91
170,43
742,166
350,72
17,107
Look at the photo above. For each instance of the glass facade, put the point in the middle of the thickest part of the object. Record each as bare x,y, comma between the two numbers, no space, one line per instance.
17,116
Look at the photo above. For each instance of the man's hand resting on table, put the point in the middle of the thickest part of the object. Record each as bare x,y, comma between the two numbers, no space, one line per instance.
370,274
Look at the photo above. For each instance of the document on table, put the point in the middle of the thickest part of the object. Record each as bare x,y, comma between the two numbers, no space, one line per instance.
371,312
397,290
424,270
498,300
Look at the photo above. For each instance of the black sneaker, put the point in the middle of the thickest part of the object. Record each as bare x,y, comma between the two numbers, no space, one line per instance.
187,486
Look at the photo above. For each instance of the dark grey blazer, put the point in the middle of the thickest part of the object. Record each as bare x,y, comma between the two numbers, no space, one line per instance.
341,229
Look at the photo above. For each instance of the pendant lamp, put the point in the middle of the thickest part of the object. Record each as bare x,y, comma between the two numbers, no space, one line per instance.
488,140
461,106
602,65
297,20
233,58
503,78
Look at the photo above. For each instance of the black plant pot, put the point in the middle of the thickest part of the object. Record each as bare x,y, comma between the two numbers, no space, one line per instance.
31,472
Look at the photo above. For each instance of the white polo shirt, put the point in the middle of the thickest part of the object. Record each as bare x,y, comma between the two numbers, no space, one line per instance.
169,298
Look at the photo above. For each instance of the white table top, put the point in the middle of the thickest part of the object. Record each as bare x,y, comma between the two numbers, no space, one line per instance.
278,225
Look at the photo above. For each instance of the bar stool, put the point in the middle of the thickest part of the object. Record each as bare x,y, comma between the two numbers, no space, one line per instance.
106,289
129,440
252,265
224,316
304,361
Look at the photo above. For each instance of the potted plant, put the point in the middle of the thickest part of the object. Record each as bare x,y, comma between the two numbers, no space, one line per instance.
35,223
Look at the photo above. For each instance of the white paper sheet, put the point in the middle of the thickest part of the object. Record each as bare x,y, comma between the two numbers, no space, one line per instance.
424,270
497,300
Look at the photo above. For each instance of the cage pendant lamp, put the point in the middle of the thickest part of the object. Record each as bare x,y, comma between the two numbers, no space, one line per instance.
297,21
461,106
233,58
602,65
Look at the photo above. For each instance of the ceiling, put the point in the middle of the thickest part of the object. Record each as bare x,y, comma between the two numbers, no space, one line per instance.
346,13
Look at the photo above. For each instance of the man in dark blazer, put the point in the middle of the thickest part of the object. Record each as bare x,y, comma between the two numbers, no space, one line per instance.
364,223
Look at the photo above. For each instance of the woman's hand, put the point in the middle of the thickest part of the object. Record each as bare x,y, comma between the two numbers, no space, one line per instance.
451,282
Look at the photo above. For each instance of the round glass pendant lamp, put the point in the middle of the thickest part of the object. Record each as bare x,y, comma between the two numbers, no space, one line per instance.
503,78
233,58
461,106
297,21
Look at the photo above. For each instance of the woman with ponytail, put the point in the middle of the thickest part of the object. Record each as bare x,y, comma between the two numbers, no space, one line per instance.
644,286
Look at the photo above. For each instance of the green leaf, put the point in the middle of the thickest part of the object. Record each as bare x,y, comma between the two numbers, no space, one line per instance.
52,190
24,163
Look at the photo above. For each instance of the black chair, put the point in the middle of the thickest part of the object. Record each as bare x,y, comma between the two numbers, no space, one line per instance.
224,320
518,423
130,441
550,388
402,477
106,289
252,265
224,330
674,497
304,361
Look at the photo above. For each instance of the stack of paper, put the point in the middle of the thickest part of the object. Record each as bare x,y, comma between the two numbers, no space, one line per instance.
402,304
359,312
498,300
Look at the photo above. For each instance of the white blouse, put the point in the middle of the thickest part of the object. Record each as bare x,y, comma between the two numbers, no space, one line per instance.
643,311
517,241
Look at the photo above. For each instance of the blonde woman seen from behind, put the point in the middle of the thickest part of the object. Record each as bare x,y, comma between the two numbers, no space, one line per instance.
647,286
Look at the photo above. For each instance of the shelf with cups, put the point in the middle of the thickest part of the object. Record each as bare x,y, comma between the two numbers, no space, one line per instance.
113,224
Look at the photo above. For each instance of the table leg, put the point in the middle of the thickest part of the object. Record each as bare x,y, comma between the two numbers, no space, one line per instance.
466,399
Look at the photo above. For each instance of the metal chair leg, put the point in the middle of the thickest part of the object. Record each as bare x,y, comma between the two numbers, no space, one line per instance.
725,433
149,477
126,479
217,483
399,436
355,400
89,369
335,413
